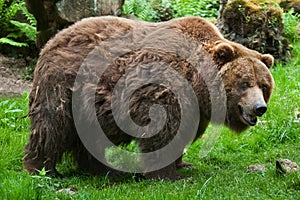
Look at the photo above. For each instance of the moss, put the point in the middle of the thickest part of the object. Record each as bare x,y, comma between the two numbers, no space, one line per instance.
266,1
257,25
246,16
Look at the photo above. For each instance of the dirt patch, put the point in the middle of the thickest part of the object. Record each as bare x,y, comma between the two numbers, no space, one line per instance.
12,72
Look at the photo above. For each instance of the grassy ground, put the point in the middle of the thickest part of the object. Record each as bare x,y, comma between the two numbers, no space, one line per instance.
220,175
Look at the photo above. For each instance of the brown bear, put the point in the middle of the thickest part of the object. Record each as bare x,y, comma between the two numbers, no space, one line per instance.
217,70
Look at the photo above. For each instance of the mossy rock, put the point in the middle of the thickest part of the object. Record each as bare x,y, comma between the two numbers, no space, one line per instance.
285,4
257,25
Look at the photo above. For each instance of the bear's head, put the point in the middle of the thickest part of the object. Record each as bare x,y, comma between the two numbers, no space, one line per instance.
247,81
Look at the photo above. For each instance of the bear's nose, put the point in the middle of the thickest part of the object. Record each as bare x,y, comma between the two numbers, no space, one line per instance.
260,109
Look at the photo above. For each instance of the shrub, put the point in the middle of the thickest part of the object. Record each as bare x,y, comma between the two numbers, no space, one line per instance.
291,22
153,10
204,8
162,10
8,9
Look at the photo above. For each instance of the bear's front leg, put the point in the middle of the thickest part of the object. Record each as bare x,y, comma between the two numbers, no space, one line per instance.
155,159
182,164
168,172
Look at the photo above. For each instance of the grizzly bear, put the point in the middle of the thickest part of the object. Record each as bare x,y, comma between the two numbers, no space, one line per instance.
83,69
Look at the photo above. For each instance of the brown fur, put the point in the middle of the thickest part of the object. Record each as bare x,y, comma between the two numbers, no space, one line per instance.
52,126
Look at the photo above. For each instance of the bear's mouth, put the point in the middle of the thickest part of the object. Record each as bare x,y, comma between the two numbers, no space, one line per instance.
248,119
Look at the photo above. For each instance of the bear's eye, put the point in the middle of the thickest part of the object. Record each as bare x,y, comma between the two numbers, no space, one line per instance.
264,88
245,85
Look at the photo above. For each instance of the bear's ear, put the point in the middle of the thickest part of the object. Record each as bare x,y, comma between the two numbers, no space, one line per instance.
222,52
268,60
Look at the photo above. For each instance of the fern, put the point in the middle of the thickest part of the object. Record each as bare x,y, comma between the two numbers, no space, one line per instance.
8,9
27,29
128,8
15,35
31,19
11,42
291,25
204,8
16,30
146,10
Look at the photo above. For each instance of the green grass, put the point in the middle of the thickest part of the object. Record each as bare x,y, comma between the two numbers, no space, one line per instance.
220,175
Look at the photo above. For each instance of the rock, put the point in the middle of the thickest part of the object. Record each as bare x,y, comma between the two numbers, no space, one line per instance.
70,191
54,15
297,115
286,166
257,168
74,10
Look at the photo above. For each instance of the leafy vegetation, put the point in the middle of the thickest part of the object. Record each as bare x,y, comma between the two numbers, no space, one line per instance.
8,9
162,10
16,33
204,8
152,10
291,26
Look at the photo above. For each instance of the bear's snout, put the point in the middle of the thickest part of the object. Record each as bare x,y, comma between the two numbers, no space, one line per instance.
260,109
252,106
247,115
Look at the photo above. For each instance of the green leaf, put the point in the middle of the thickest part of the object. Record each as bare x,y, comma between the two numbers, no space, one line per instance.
15,35
12,43
25,28
13,111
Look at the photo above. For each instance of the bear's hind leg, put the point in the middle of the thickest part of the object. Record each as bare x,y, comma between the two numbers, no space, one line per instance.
47,143
86,162
36,158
